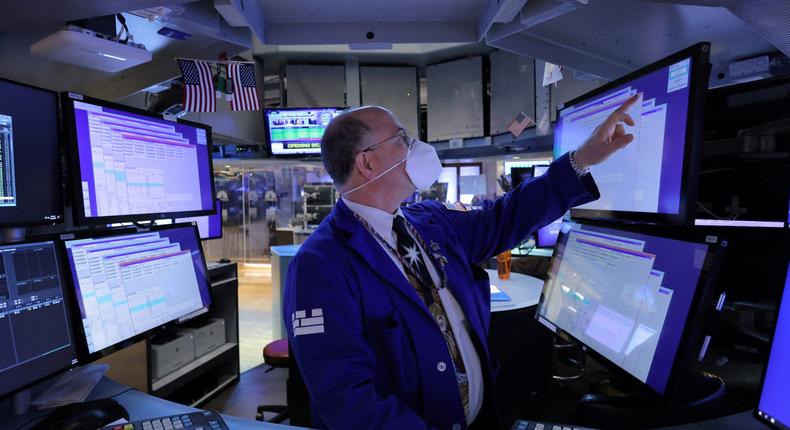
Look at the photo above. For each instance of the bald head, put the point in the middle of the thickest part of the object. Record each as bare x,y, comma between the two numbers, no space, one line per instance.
347,134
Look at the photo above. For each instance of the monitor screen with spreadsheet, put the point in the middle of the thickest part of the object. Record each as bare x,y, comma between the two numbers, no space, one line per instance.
132,165
652,179
630,297
35,332
30,173
772,407
128,283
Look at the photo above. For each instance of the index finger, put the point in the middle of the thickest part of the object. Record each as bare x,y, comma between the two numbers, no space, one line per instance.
628,103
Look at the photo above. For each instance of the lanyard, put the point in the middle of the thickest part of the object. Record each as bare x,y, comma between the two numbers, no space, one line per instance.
442,274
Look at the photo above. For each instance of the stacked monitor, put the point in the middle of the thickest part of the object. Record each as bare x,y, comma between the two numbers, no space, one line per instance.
131,165
772,407
297,131
30,173
128,283
35,327
632,298
633,293
654,178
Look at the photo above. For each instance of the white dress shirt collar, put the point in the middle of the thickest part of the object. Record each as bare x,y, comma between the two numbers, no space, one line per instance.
379,220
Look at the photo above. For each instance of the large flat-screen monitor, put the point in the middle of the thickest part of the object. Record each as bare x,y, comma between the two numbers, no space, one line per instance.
209,226
297,131
30,182
772,408
635,300
128,283
654,178
35,329
131,165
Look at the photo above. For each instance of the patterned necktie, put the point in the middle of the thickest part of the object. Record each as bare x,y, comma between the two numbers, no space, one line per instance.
419,278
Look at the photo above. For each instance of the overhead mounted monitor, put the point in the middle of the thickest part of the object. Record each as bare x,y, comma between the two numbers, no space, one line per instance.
297,131
131,165
633,299
209,226
30,182
772,407
35,329
128,283
654,178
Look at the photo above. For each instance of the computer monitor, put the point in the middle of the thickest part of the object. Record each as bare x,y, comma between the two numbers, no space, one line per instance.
634,299
297,131
30,182
35,329
539,169
131,165
210,226
772,407
546,237
127,283
653,179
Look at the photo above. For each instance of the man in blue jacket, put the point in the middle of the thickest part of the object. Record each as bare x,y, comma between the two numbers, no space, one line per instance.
386,309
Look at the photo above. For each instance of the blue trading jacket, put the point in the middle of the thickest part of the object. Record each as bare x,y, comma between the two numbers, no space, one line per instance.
368,348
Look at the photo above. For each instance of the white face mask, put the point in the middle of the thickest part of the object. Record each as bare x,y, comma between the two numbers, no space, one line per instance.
422,166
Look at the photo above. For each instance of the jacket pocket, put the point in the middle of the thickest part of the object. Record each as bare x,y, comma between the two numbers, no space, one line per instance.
396,362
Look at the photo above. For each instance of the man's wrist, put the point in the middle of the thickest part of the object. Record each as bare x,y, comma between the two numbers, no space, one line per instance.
579,168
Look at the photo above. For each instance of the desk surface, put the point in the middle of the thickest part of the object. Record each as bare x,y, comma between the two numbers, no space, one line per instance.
524,291
140,406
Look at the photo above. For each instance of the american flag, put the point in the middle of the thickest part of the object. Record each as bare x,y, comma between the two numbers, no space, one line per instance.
245,95
519,124
198,86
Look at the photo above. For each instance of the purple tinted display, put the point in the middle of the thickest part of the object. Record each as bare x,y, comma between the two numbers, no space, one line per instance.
776,391
666,288
110,275
132,164
633,182
547,236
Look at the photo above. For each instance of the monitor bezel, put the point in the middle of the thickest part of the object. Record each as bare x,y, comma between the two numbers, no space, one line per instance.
698,83
768,360
58,187
218,205
268,135
67,302
690,339
83,353
78,211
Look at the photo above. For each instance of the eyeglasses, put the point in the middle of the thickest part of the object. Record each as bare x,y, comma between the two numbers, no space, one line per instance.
404,137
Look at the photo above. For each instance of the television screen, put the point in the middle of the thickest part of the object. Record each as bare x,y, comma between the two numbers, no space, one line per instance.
297,131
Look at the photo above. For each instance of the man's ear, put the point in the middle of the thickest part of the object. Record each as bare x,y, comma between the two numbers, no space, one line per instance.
362,164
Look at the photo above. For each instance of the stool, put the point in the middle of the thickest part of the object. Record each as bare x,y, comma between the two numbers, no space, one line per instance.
275,355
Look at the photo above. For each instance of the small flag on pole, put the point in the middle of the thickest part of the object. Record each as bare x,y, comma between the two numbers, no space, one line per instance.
198,86
518,125
245,94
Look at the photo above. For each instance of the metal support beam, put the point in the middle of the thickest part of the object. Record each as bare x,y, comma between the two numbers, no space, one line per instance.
534,47
253,12
309,33
497,11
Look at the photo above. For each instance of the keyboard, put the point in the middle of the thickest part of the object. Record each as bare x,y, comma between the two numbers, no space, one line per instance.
205,420
532,425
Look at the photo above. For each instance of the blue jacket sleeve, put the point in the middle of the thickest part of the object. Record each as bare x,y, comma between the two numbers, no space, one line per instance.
336,362
501,224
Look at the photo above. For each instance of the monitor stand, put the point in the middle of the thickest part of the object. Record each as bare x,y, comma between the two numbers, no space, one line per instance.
702,398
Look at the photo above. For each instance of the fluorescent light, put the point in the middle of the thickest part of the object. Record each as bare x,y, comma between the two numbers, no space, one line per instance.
111,56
